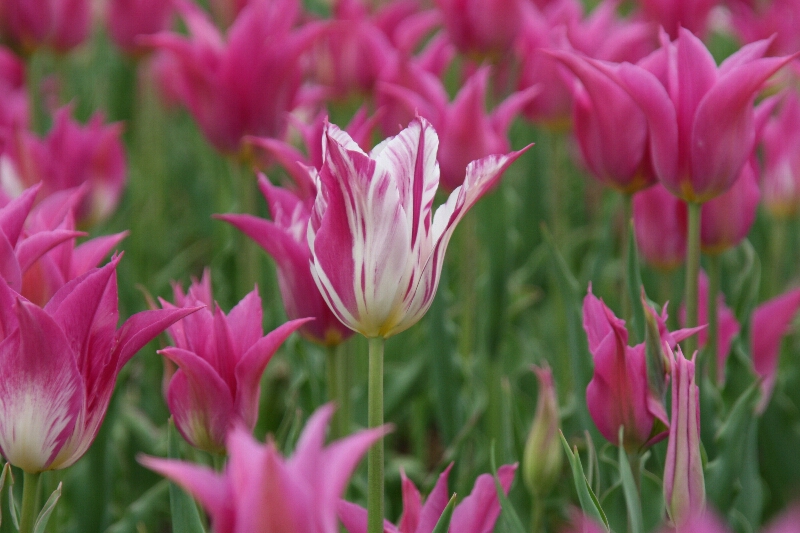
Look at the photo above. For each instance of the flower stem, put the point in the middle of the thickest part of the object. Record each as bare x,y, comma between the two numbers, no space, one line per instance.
30,490
339,390
629,298
247,257
375,419
692,272
714,275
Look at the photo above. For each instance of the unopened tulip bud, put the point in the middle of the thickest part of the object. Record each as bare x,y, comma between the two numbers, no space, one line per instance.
541,463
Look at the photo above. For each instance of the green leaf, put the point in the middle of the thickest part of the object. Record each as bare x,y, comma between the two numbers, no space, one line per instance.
12,505
443,525
151,503
589,503
47,510
509,520
630,488
185,516
634,283
6,473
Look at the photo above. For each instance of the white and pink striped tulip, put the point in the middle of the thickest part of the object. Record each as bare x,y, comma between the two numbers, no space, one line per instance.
376,246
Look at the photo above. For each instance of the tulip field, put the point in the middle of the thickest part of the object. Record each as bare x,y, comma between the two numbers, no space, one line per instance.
402,266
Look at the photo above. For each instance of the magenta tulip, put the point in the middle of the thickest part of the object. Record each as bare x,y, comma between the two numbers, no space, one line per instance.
780,179
221,360
477,513
659,224
482,27
284,238
701,118
14,111
673,15
261,492
726,220
127,20
753,21
60,24
60,363
376,247
684,483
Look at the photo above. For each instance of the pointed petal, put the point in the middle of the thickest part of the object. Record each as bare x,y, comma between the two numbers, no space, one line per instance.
12,216
9,265
478,512
244,321
412,505
435,503
143,327
251,366
41,391
354,519
38,244
89,254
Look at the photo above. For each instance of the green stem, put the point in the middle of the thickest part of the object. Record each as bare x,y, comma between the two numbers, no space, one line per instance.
28,513
778,254
339,390
692,272
243,184
627,212
714,276
375,419
469,275
537,514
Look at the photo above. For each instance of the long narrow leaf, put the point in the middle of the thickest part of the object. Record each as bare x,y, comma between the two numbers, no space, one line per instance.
589,502
443,524
630,488
185,516
47,510
509,520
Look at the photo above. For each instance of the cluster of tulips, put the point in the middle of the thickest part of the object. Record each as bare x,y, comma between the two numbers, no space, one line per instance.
684,148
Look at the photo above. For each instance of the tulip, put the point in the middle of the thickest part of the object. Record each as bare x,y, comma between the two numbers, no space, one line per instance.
66,261
684,484
726,220
675,14
261,492
221,359
69,156
541,462
602,34
476,513
60,24
128,19
769,324
482,28
376,249
610,128
244,83
619,393
60,363
753,21
466,131
701,117
659,224
284,238
780,179
14,111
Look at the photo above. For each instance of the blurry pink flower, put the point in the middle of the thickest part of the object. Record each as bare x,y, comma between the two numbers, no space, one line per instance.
602,34
477,513
753,21
544,454
780,179
659,224
704,522
619,393
261,492
701,118
60,24
610,128
221,360
672,15
60,364
769,323
684,483
13,94
726,220
70,155
65,261
284,238
128,19
244,83
466,131
482,27
786,522
377,249
226,11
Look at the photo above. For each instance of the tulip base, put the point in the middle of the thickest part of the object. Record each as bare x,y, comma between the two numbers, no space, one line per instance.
28,511
375,419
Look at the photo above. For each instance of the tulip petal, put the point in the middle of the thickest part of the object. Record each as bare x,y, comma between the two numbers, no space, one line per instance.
412,505
41,391
13,215
479,511
435,503
89,254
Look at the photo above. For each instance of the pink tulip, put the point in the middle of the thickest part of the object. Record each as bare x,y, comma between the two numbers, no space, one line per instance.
221,360
261,492
602,34
610,128
684,484
482,27
13,94
376,247
69,156
769,323
753,21
726,220
701,118
128,19
466,131
60,24
60,363
284,238
659,224
780,179
246,82
66,261
673,15
544,454
477,513
619,393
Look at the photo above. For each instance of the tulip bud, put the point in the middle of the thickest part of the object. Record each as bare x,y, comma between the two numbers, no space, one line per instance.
541,463
684,484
